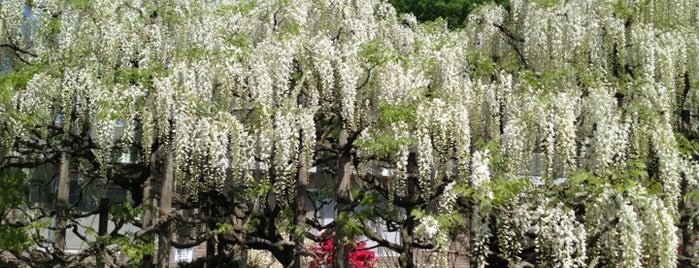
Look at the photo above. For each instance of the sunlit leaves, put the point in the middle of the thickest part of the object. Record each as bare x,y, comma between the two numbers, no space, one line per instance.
376,53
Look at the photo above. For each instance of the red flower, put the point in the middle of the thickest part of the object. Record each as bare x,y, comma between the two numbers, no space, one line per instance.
360,256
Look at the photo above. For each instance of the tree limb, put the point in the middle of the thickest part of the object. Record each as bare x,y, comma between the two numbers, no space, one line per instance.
511,38
18,49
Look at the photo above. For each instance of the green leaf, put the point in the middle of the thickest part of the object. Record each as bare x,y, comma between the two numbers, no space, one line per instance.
418,213
351,224
546,3
377,53
13,238
222,228
622,9
90,231
80,4
655,188
399,112
13,191
18,77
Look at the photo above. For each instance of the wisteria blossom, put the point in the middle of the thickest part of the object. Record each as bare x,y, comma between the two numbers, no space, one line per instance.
554,133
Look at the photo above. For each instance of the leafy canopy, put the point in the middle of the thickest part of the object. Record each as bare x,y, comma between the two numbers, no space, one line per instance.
455,12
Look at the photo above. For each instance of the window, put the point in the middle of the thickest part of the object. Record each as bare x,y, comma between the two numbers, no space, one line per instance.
183,255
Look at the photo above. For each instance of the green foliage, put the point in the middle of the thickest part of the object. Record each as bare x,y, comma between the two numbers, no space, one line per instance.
377,53
498,163
240,40
636,170
133,249
13,238
369,199
687,147
621,179
418,214
217,261
322,193
462,189
13,194
546,3
547,80
290,29
80,4
383,143
451,220
623,10
53,26
223,228
445,220
259,189
142,76
634,174
582,180
691,196
690,149
195,53
351,226
481,65
240,7
455,12
17,78
14,190
504,190
125,211
400,112
370,203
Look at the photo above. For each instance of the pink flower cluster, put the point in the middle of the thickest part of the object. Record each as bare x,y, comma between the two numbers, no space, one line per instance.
360,256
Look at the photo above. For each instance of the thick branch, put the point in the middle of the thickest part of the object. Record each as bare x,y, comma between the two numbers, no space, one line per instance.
378,239
18,49
596,237
511,38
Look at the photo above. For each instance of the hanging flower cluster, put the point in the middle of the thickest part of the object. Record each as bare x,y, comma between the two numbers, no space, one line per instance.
645,232
558,238
237,88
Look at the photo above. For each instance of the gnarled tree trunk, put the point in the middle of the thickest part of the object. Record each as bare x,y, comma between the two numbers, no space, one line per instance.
341,245
166,188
